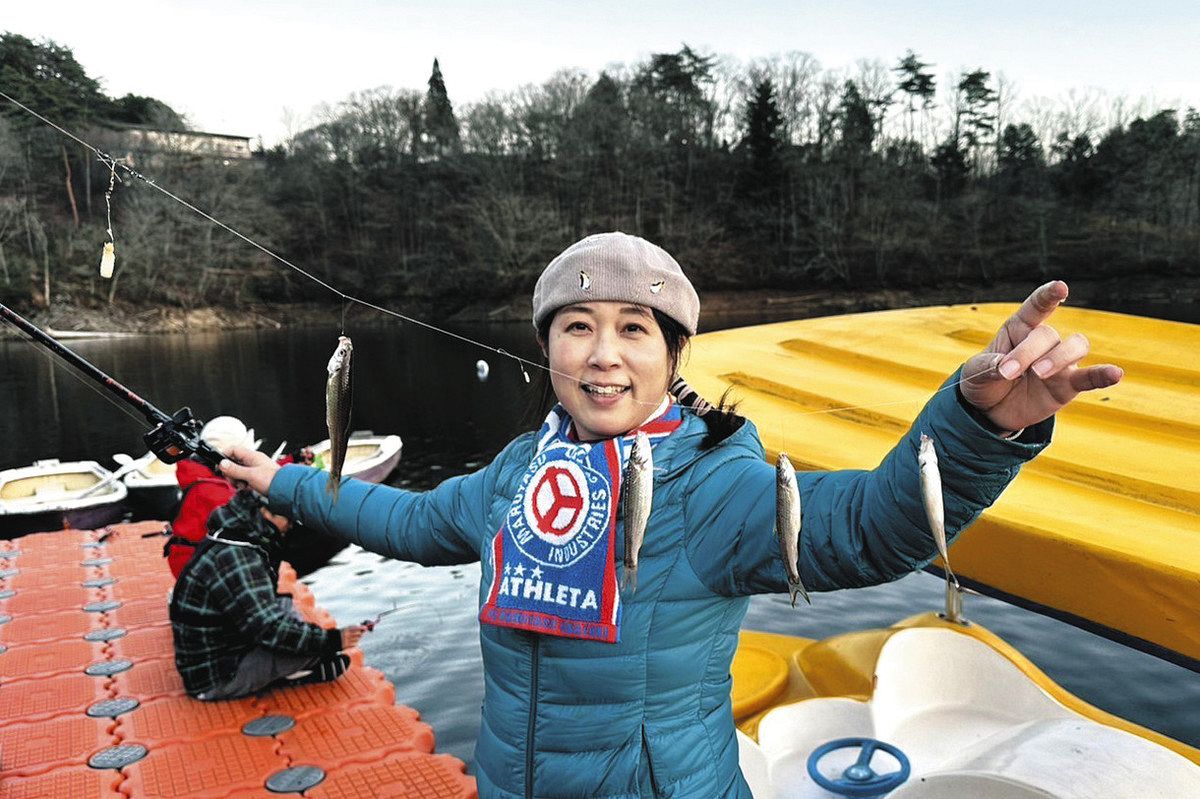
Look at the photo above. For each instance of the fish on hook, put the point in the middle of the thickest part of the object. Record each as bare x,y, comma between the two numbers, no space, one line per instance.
637,488
931,497
338,395
788,522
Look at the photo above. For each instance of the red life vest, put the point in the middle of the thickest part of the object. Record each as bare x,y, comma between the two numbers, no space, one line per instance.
203,492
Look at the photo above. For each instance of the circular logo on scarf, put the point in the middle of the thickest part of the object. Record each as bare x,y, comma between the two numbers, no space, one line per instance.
561,512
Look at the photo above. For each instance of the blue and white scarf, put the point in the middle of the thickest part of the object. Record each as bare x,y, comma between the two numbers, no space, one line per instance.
554,558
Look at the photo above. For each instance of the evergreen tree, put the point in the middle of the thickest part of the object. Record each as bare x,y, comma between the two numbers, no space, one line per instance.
1021,159
138,110
1074,175
855,122
601,121
47,78
762,143
974,113
917,83
440,135
763,122
675,82
950,168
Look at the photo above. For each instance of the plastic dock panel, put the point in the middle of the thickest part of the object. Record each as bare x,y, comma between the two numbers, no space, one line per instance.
399,777
151,584
141,613
210,768
50,747
46,697
150,679
22,578
147,643
124,568
71,782
30,601
49,658
358,686
180,719
39,746
361,734
71,624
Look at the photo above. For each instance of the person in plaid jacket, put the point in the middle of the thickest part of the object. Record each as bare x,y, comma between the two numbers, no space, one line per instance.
234,636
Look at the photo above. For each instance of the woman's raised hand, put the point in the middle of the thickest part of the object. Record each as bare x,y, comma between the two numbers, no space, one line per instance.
1028,372
255,469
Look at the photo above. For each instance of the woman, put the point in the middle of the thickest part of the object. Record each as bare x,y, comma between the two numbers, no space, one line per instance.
595,692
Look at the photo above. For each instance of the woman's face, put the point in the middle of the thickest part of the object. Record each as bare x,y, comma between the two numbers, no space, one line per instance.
610,366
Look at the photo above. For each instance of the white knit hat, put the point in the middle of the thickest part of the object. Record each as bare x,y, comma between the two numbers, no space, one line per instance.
617,267
223,433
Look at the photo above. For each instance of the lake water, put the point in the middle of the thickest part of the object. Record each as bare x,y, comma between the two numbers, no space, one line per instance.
422,385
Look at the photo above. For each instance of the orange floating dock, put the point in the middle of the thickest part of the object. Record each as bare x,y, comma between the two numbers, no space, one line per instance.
91,704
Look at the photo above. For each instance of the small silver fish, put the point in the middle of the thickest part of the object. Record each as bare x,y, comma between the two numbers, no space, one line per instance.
637,488
931,496
788,521
337,411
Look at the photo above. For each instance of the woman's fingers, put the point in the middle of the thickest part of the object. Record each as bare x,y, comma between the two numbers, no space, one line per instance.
1039,342
1093,377
1041,303
255,469
1034,312
1067,353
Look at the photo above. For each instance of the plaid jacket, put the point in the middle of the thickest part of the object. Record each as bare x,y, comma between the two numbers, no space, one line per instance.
224,603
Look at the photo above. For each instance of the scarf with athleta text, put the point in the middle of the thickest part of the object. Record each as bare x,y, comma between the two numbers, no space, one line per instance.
554,558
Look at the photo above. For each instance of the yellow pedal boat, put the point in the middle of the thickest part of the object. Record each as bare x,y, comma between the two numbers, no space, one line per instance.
1102,531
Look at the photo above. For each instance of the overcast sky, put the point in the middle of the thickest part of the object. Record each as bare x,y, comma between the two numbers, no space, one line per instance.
234,66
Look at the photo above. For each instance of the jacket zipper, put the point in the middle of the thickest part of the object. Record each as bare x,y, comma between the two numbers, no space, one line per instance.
533,699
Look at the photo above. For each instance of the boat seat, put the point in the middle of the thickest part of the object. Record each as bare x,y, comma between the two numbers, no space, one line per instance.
940,690
754,765
971,724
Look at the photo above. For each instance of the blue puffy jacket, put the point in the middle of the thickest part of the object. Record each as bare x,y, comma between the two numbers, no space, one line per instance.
652,714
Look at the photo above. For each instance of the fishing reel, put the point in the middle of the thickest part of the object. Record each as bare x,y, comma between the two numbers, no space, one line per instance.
179,436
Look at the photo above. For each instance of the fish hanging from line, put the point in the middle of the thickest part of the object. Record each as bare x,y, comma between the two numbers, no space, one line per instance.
788,522
931,497
637,488
337,411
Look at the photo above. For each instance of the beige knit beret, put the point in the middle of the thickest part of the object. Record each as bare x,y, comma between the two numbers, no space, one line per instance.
621,268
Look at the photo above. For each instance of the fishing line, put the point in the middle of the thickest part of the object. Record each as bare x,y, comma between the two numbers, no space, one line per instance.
348,298
955,384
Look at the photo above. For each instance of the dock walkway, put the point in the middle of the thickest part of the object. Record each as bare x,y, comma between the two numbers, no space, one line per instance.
91,704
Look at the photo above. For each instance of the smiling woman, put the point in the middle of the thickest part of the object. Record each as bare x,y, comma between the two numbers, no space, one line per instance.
595,691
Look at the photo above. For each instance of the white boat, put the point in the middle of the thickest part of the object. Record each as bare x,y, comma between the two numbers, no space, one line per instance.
154,489
368,457
942,711
52,495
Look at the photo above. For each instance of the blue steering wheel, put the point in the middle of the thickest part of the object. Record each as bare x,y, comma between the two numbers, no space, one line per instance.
859,781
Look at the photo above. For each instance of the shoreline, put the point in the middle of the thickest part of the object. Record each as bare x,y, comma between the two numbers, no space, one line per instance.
122,319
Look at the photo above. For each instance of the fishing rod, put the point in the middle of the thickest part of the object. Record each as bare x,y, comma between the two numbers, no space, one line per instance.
370,624
172,437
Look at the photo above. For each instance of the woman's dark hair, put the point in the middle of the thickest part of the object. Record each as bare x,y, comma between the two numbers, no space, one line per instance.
722,419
